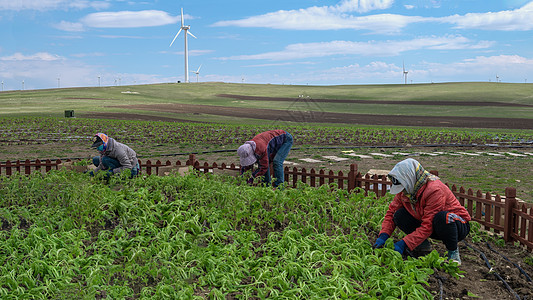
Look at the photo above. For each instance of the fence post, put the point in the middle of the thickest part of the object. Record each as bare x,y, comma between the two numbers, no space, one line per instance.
9,172
312,177
191,160
140,165
27,167
148,167
509,225
351,177
294,176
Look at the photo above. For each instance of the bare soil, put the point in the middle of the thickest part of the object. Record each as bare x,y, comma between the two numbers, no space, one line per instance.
329,117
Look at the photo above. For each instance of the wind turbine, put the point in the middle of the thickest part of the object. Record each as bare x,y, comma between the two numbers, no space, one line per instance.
186,31
197,72
404,73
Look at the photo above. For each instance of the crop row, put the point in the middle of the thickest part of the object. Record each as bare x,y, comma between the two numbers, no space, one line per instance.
64,236
31,130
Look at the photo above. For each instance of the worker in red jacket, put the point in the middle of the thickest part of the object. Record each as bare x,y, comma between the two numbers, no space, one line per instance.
423,207
269,147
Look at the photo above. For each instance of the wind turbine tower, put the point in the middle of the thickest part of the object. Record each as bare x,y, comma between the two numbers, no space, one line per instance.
404,73
197,72
185,32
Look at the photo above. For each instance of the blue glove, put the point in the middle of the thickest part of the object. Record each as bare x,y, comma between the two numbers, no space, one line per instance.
382,238
399,246
91,173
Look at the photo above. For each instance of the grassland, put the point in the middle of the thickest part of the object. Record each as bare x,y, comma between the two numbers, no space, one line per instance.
53,102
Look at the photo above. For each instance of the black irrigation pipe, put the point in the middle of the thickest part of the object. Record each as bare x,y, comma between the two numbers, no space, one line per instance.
441,280
517,266
491,270
327,147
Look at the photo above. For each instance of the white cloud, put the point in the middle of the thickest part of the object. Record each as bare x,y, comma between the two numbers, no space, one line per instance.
371,48
338,17
484,63
281,64
319,19
68,26
330,18
509,20
41,70
376,69
128,19
40,56
43,5
510,68
362,6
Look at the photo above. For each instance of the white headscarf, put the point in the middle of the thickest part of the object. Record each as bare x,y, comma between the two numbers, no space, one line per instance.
412,176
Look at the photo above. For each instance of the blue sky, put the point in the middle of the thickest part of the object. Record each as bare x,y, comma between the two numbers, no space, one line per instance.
73,43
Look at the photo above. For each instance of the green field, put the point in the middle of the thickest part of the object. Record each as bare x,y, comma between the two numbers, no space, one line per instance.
66,237
53,102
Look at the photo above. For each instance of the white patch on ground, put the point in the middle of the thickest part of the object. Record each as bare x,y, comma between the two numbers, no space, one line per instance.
467,153
359,155
335,158
401,153
381,154
374,155
310,160
516,154
491,154
426,153
378,172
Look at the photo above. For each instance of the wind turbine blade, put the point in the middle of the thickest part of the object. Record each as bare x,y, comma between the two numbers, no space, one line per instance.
191,34
198,71
175,38
182,17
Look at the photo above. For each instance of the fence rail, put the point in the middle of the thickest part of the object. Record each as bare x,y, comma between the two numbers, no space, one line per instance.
501,214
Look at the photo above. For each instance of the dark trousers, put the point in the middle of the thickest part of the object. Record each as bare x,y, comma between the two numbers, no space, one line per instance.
278,160
113,163
450,232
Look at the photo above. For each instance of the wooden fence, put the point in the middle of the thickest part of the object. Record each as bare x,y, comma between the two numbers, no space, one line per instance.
504,215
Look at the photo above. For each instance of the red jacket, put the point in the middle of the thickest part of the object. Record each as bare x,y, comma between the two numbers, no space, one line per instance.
267,145
433,197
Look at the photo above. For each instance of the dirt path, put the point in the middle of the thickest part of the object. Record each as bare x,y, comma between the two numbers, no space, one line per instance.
401,102
319,116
